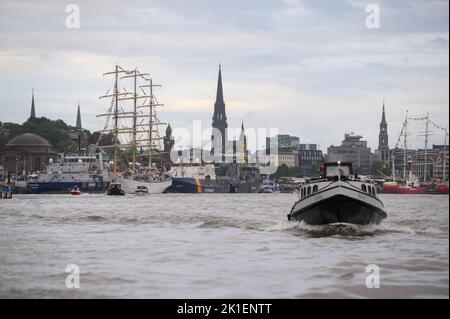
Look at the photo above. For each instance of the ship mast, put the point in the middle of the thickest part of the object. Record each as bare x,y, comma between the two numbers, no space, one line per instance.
133,75
405,146
153,119
445,156
115,102
425,170
136,127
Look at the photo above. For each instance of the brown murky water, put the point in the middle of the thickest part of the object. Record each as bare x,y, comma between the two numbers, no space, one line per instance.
216,246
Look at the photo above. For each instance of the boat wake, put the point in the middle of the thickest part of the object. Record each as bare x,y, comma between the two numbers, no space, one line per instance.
302,228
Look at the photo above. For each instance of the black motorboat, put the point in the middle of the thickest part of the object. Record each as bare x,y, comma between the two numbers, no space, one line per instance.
338,197
115,189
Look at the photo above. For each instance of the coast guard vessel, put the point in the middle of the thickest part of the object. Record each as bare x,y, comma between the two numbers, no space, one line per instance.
68,172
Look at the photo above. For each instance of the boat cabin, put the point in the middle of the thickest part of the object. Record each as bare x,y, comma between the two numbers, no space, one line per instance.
336,170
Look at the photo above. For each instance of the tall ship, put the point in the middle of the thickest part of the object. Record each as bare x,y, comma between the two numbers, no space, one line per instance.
135,134
408,182
86,173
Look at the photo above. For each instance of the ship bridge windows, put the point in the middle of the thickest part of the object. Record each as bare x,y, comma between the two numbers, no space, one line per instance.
364,188
309,190
315,188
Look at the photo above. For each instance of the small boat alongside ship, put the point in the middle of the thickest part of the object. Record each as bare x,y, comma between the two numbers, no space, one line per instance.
269,186
141,190
338,197
115,189
75,191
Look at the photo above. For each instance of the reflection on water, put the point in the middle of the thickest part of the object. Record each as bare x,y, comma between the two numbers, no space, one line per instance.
217,246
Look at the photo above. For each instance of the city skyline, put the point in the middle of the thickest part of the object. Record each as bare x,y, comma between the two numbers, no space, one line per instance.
280,59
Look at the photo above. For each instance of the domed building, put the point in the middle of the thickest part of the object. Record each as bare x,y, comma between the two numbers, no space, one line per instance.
27,153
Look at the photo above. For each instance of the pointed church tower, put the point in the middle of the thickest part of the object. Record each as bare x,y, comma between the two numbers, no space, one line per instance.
78,124
168,145
33,110
243,146
219,122
383,138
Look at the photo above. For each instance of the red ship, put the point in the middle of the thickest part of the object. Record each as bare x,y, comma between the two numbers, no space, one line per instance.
439,189
411,186
396,188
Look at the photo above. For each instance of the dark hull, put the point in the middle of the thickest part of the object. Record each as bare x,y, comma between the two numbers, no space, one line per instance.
39,188
191,185
339,209
115,192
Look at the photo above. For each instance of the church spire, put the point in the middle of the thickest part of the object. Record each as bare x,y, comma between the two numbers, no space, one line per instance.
383,137
78,124
219,122
33,110
219,95
383,117
219,117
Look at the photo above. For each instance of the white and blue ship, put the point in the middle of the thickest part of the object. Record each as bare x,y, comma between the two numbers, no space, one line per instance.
85,172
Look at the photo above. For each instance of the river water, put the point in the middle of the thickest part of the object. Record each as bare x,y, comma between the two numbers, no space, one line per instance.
217,246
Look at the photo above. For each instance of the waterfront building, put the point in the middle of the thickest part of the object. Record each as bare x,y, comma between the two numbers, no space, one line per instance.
435,159
283,141
309,159
352,149
287,156
26,153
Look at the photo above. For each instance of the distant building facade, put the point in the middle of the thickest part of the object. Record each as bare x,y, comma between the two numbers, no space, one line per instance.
287,156
427,165
352,149
309,159
26,153
440,158
283,141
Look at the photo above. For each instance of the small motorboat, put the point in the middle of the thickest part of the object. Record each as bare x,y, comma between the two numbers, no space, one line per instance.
141,190
75,191
269,186
338,197
115,189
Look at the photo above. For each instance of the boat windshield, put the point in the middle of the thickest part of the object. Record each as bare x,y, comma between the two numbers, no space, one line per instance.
333,171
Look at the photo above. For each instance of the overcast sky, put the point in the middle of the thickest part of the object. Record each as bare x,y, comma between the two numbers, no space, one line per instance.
309,68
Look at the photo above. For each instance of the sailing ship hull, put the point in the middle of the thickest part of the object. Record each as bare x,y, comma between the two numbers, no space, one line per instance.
130,186
197,185
338,204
